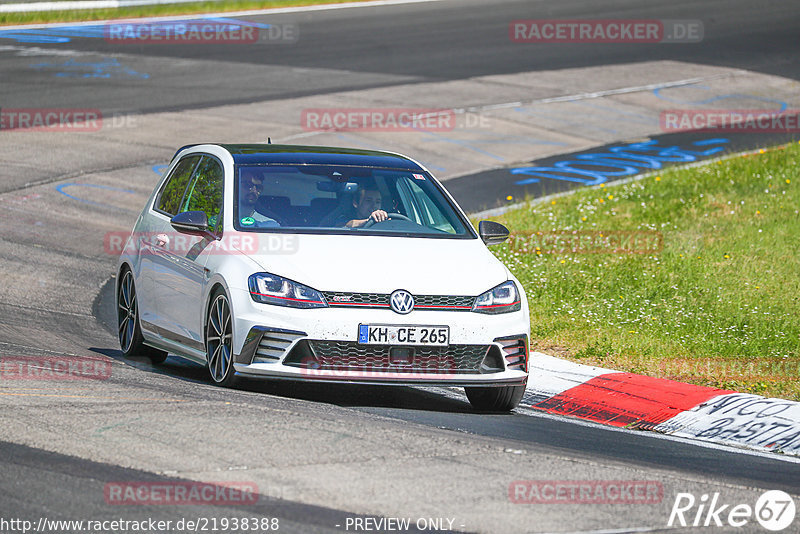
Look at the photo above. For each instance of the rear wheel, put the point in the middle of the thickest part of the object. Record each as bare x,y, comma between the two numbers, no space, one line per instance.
497,399
219,340
131,340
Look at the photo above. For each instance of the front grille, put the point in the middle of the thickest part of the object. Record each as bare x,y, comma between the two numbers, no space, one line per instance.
443,301
352,356
339,298
381,300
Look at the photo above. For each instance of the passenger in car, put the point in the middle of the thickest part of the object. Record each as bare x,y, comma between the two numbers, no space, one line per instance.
251,184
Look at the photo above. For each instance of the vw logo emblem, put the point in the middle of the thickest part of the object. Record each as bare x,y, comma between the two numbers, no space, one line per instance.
401,301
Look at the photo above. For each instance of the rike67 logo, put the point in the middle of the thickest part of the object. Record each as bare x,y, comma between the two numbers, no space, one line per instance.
774,511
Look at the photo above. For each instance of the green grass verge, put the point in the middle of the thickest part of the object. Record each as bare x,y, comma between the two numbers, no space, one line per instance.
718,305
80,15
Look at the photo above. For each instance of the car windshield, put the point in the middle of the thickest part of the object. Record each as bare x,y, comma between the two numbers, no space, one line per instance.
344,199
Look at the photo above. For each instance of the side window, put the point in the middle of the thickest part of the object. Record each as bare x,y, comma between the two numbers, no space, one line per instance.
171,195
407,200
205,191
431,215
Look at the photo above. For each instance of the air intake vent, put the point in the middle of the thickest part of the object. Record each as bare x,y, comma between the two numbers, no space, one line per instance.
515,349
273,345
267,345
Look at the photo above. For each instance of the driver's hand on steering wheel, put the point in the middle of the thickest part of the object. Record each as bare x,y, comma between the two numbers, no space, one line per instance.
378,216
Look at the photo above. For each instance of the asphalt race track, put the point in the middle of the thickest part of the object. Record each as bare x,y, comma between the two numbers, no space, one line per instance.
322,457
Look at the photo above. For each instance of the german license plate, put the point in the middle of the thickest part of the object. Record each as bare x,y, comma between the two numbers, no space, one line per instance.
417,335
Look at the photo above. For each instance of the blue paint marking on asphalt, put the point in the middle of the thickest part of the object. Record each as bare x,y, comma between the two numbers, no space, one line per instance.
106,68
56,34
66,33
60,188
713,141
159,169
738,96
236,22
432,167
597,167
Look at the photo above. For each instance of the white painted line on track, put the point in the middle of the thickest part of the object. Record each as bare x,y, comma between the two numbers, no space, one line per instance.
604,93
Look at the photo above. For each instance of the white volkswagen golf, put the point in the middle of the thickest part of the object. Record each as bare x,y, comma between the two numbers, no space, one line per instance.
323,264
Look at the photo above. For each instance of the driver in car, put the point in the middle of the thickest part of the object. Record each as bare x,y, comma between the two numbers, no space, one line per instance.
366,206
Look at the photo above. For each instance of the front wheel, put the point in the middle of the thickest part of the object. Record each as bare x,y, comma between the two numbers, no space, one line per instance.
131,340
495,399
219,340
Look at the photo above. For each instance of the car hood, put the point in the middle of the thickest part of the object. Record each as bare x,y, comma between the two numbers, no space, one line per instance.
378,264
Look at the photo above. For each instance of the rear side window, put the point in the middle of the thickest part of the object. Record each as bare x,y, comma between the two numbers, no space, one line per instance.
205,190
169,200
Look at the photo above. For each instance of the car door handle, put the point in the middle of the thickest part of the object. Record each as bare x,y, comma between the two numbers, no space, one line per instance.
160,240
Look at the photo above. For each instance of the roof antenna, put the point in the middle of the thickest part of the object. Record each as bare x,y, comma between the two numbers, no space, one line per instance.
269,140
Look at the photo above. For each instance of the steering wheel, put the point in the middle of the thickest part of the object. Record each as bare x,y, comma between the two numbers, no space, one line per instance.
372,222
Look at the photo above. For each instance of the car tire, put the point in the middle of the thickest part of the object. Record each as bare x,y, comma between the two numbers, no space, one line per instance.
495,399
129,331
219,340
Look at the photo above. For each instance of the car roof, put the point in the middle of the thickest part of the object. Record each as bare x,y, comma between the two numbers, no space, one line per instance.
254,154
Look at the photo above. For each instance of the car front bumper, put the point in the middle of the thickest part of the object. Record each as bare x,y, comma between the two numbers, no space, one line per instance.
321,344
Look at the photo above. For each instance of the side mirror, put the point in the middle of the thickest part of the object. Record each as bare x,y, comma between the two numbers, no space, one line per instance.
492,233
191,222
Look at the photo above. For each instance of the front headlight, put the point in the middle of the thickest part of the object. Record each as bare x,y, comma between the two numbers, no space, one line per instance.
272,289
502,299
